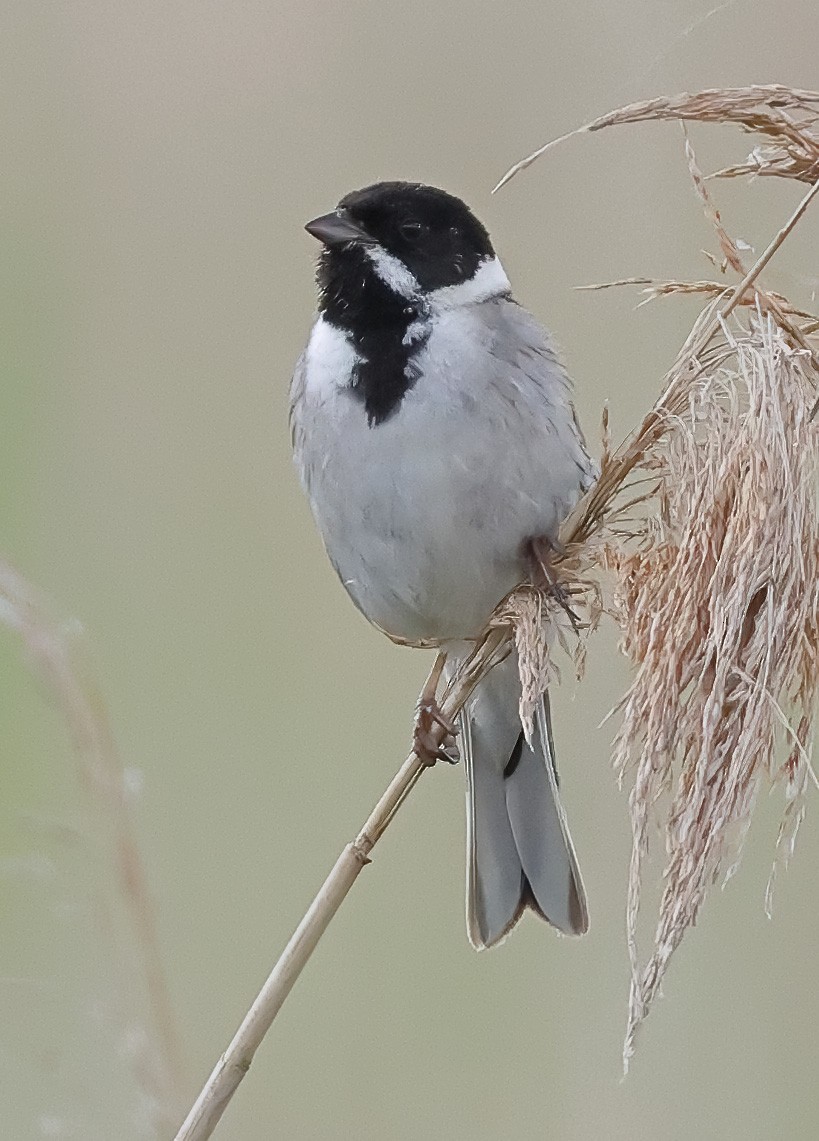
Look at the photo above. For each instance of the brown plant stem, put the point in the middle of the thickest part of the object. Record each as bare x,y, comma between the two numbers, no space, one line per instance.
235,1062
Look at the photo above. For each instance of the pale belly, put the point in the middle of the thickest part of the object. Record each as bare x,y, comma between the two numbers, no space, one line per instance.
420,569
425,516
427,529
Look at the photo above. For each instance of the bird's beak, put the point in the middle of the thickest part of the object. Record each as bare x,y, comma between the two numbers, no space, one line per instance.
337,228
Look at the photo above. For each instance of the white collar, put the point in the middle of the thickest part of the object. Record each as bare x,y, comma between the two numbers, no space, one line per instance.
489,280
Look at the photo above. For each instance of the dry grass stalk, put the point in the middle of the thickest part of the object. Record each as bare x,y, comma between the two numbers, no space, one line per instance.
232,1066
52,651
727,245
717,573
653,289
786,118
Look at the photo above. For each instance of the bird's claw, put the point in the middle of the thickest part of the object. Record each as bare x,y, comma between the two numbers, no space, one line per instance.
427,749
542,549
564,600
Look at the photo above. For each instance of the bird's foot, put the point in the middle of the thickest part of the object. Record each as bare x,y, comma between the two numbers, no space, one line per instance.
428,715
542,549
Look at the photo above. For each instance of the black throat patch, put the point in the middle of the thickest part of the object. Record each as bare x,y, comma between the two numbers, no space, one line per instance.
388,331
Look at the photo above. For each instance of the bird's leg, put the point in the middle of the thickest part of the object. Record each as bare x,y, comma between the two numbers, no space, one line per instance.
541,551
428,713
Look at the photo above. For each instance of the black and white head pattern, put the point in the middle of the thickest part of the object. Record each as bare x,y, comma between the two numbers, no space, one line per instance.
395,253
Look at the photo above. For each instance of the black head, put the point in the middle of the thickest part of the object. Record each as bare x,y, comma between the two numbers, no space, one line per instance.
434,235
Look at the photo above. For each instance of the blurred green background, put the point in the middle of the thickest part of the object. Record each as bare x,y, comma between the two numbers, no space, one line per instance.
159,160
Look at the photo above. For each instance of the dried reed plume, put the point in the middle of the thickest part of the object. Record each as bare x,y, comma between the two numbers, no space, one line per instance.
711,574
785,118
716,596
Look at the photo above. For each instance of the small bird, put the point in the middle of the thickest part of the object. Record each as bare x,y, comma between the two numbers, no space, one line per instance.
435,435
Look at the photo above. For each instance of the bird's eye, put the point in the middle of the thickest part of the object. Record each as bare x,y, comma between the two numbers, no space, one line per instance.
411,229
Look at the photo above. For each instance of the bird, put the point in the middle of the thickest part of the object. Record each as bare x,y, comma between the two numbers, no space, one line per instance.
435,435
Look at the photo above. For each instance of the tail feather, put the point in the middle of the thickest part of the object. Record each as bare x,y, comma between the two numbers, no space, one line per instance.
519,852
494,883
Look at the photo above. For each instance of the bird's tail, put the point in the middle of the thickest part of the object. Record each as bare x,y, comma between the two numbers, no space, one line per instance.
519,852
